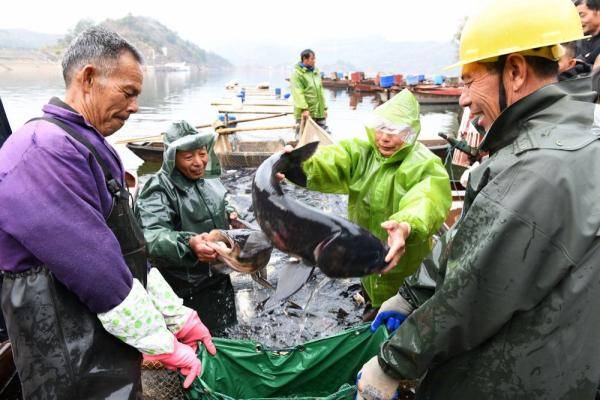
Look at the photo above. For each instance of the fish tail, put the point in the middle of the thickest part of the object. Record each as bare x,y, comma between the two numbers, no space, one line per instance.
292,163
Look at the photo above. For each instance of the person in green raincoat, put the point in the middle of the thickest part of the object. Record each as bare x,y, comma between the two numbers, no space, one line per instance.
177,207
396,187
307,90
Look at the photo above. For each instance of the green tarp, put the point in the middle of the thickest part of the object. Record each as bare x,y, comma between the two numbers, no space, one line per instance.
320,369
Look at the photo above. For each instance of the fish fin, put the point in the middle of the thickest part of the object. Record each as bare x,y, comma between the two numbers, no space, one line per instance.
291,279
293,167
262,281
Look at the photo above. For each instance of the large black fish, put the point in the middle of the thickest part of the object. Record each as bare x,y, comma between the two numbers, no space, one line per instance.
335,245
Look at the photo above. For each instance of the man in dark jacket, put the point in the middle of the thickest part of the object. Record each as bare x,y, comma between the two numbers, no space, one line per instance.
177,208
514,314
588,49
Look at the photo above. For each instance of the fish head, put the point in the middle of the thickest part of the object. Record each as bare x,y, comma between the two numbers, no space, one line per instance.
346,255
243,250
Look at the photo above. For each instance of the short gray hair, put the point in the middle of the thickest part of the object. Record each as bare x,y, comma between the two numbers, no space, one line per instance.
97,46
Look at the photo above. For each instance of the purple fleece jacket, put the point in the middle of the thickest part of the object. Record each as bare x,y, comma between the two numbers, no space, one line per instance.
53,208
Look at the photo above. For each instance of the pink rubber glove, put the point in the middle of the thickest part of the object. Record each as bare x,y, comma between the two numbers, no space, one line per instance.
193,331
182,358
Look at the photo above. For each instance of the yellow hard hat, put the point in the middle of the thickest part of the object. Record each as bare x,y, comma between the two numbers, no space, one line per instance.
530,27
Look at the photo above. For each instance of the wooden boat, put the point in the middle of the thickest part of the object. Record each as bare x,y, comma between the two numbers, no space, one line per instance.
366,88
253,102
148,151
335,83
250,109
235,153
248,154
437,95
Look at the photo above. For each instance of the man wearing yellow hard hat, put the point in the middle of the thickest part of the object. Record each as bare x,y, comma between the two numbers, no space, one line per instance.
514,310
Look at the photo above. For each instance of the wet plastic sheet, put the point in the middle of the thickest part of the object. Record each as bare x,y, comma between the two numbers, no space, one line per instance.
320,369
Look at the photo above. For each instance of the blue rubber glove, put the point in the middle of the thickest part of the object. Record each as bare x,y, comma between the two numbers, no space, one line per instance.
391,319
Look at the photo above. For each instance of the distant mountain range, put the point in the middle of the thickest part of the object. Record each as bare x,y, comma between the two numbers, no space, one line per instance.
158,44
371,55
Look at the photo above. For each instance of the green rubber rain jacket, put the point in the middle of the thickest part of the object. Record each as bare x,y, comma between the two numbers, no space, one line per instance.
512,310
172,209
307,92
412,185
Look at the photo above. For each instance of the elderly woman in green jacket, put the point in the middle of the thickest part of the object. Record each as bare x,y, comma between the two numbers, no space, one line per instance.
177,207
396,188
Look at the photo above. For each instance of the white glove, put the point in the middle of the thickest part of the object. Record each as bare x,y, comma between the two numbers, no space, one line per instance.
397,303
167,302
374,384
138,323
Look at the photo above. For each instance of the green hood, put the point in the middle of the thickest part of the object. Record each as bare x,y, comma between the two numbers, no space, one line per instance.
402,111
183,136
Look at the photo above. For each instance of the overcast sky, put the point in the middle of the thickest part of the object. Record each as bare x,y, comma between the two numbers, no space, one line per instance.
211,23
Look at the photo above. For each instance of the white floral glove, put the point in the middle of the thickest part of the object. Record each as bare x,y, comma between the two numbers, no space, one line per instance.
167,302
138,323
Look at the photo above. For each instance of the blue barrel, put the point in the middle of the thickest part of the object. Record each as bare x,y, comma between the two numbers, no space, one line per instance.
412,80
287,96
421,78
386,81
438,79
278,92
222,117
340,75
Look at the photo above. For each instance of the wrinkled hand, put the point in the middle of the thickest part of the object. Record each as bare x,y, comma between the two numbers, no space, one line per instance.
305,114
183,358
374,384
199,246
392,313
287,149
398,232
194,331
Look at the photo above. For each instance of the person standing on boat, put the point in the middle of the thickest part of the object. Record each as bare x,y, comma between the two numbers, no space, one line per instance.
177,208
307,90
79,301
507,309
396,187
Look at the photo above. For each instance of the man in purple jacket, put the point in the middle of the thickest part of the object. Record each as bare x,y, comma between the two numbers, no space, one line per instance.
79,302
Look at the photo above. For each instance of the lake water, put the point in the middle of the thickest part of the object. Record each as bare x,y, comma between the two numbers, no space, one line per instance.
172,96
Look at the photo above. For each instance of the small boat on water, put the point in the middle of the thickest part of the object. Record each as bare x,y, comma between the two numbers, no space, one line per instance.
336,83
148,151
234,153
249,154
432,94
